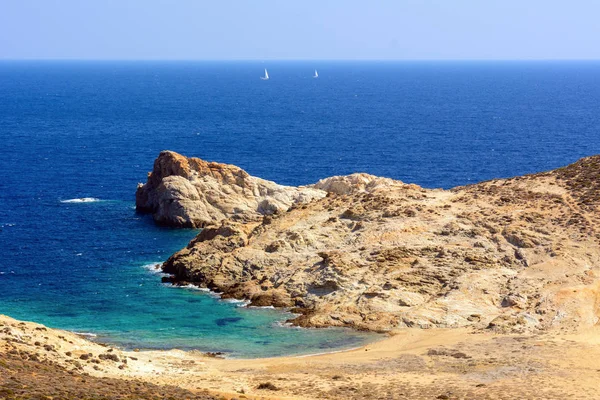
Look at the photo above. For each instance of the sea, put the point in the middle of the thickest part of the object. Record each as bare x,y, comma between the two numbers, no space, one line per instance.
72,130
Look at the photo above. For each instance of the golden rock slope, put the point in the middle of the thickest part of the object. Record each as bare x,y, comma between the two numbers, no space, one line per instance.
517,254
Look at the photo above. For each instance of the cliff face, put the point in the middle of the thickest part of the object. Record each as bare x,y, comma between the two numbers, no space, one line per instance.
516,254
190,192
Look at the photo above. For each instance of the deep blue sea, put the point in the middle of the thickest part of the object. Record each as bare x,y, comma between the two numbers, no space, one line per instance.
93,129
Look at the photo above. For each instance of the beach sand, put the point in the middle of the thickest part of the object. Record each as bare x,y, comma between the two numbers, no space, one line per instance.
410,363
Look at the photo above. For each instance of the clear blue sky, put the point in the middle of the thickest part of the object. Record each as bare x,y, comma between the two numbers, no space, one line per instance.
300,29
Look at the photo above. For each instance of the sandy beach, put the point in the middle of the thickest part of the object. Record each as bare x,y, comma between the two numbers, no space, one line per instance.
410,363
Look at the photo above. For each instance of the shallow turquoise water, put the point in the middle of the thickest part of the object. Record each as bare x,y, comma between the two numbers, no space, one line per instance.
105,289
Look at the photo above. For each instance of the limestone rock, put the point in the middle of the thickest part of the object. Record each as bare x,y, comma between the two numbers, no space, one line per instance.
354,183
190,192
519,254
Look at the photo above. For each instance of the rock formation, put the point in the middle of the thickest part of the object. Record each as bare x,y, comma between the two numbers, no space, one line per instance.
190,192
517,254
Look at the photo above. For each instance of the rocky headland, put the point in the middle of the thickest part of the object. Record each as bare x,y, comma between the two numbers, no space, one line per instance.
514,261
507,255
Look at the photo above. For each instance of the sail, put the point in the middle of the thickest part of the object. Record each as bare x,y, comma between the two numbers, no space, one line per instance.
316,74
266,74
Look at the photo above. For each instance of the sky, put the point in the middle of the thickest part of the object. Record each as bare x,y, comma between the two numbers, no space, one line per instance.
299,29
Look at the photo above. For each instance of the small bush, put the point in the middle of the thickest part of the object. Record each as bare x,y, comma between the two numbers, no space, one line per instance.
267,386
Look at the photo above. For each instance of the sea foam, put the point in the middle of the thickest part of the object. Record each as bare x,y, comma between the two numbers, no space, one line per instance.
85,334
153,267
82,200
189,286
240,303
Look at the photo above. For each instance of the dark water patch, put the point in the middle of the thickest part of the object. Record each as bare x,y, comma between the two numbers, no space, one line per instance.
227,321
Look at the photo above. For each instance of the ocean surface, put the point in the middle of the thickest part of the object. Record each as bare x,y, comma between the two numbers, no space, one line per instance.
72,130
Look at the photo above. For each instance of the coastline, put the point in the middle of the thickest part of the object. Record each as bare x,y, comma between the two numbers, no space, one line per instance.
502,275
377,254
415,363
472,280
263,332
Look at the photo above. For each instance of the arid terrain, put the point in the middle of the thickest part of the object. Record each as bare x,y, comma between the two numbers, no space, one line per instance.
487,291
412,363
508,255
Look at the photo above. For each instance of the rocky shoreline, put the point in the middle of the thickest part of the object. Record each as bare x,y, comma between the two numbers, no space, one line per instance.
508,255
510,265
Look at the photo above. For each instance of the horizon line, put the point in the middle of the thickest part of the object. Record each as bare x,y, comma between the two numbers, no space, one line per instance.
305,59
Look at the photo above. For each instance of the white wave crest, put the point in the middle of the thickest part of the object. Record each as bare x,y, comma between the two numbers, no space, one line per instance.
192,287
81,200
240,303
285,324
85,334
189,286
154,268
263,307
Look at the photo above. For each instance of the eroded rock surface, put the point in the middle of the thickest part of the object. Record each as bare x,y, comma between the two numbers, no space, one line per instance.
516,254
190,192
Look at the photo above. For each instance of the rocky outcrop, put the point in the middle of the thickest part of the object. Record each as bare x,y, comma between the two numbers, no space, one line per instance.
190,192
518,254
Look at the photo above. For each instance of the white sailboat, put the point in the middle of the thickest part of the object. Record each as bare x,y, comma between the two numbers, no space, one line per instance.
264,78
316,75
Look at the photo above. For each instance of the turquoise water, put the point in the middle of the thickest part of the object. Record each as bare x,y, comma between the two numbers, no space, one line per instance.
102,281
93,129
